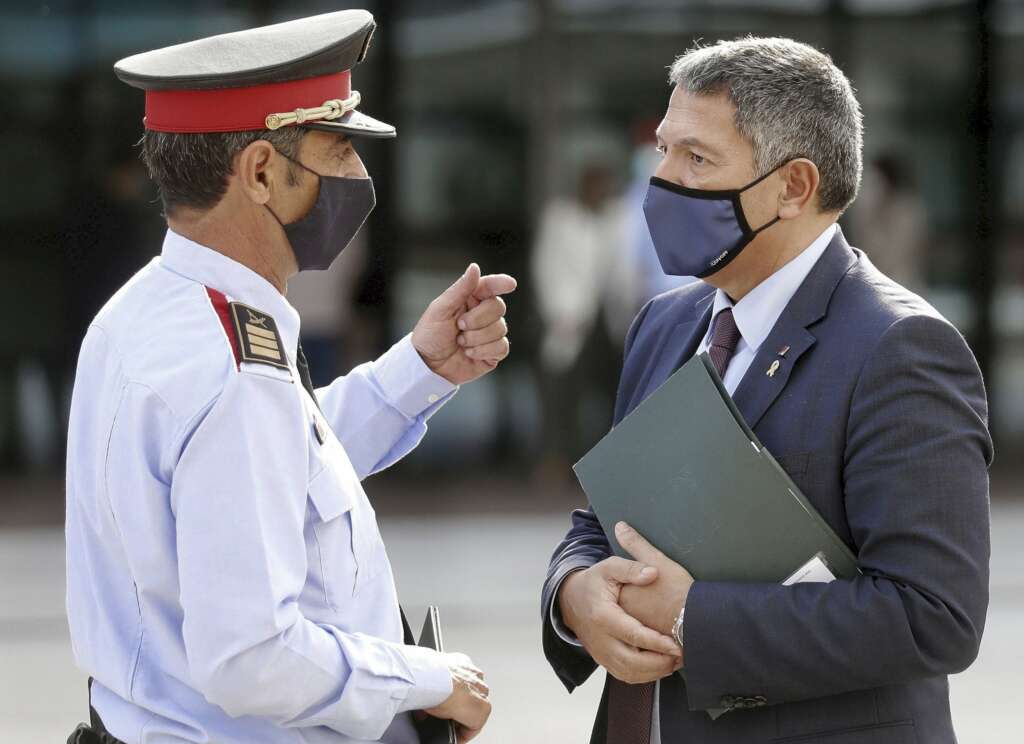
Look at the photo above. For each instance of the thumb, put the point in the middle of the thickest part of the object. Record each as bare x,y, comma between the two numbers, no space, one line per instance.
623,571
455,297
635,544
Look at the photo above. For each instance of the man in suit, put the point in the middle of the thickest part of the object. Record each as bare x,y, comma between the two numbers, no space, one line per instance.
866,395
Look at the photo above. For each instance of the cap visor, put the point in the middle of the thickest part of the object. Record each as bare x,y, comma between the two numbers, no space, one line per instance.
356,124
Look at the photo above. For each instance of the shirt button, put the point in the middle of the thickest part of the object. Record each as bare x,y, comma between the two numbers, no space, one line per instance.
433,398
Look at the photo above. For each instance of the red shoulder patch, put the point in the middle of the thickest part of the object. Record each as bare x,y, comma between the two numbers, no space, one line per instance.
220,306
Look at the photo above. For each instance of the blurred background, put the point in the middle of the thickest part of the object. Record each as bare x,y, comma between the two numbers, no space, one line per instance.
526,137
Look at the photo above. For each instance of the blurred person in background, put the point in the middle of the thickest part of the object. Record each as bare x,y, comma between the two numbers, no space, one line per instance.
585,289
869,399
891,222
226,579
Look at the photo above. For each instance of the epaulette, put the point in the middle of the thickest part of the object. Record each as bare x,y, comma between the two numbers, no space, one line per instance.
252,334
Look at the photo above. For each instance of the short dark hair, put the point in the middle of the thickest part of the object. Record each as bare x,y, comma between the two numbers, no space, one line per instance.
791,101
191,170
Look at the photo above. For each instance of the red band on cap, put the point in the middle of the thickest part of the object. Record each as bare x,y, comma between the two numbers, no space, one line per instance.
239,109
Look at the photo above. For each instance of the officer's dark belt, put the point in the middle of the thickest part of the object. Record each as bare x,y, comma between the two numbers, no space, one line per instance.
95,732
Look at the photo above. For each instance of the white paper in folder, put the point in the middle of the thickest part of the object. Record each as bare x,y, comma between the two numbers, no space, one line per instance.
815,571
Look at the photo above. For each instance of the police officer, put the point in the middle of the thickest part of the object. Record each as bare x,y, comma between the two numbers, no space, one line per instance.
226,578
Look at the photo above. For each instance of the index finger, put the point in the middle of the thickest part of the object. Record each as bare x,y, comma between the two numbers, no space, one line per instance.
622,626
493,285
649,664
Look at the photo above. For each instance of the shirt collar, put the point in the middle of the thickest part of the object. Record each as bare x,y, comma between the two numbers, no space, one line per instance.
240,283
759,310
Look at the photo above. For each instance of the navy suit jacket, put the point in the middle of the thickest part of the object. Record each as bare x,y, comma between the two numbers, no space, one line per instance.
878,412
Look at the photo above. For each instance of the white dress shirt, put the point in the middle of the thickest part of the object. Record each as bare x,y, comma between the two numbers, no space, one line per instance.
755,314
226,578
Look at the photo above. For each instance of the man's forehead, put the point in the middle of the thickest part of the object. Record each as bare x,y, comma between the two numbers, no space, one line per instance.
326,142
699,119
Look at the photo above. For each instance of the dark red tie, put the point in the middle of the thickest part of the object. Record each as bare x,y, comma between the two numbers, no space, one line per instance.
723,341
631,707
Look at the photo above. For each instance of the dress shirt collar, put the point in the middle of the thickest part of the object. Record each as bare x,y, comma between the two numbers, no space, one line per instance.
758,311
240,283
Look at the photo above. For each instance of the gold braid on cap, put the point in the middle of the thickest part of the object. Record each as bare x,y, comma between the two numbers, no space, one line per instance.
333,109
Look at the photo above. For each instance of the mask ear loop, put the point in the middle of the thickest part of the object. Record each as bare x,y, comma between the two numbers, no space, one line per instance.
755,233
307,168
758,180
752,233
304,167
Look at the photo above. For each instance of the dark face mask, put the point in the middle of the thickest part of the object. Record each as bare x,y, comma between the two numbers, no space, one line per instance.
341,208
697,232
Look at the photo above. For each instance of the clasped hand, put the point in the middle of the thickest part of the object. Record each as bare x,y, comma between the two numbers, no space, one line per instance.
622,611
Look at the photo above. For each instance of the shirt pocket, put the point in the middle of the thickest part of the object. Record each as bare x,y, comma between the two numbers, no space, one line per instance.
348,543
335,547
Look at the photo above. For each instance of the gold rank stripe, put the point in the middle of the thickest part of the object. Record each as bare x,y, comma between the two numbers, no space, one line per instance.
266,343
254,330
270,353
258,337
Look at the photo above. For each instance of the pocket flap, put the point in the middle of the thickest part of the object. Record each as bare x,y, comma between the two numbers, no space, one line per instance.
328,493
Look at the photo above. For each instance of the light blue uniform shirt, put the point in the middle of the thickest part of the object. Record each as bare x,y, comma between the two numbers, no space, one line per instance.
755,314
226,578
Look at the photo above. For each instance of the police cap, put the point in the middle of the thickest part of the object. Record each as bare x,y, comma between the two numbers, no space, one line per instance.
296,73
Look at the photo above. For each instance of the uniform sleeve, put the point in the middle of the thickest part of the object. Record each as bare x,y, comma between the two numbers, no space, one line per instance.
239,499
379,411
916,493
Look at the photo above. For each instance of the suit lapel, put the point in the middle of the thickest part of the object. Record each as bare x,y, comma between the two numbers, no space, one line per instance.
757,390
680,344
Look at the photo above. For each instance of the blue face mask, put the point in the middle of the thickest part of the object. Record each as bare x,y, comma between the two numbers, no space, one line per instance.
697,232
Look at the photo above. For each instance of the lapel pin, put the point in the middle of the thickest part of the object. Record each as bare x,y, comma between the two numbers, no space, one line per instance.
773,369
783,350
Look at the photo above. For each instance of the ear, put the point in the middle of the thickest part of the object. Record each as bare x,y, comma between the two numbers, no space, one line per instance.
801,179
257,171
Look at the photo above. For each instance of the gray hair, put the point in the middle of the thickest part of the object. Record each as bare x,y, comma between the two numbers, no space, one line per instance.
191,170
791,101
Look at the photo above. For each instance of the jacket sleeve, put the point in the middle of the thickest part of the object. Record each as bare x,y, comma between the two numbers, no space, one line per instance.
583,546
916,493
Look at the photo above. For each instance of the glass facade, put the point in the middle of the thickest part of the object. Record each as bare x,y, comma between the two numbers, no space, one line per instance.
498,105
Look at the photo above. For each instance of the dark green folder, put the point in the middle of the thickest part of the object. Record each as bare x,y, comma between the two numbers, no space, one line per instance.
687,473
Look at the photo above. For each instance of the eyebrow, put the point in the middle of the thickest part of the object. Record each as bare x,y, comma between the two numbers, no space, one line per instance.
692,142
340,143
